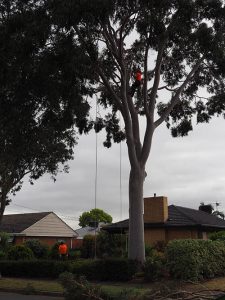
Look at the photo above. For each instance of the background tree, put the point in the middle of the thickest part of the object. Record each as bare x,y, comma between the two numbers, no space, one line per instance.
41,100
93,216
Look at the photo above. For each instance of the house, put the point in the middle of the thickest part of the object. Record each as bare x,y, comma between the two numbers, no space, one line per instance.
87,230
47,227
165,223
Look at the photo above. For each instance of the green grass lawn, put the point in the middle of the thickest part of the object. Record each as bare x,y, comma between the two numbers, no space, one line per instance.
38,285
113,289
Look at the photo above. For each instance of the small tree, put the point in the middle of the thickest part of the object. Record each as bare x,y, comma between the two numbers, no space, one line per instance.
93,217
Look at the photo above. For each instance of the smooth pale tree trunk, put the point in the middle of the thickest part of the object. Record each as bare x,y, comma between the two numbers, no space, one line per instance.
136,249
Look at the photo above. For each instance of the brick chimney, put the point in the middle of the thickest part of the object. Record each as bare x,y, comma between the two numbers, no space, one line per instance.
155,209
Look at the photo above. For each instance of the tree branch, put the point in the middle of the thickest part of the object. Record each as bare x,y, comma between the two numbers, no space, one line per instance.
175,99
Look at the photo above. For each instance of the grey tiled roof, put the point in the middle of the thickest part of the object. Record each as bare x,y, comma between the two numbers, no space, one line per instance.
16,223
178,217
86,231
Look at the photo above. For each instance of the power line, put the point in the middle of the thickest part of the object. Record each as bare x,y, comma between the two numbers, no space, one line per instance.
36,210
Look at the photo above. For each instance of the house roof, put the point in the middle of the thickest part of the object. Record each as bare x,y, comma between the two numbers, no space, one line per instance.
86,231
17,223
178,216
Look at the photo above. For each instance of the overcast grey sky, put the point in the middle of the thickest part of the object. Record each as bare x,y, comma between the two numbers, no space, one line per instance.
187,170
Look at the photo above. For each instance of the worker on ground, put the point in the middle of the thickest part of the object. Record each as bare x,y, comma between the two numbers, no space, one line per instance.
137,82
63,250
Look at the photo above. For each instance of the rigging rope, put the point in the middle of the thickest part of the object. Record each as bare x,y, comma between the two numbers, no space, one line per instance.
96,173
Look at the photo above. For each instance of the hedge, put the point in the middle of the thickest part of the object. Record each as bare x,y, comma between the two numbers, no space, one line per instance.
106,269
109,269
34,268
195,259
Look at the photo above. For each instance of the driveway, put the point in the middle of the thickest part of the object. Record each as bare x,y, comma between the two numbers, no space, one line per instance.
12,296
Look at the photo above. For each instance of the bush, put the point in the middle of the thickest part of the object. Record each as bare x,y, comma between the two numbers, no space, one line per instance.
74,254
154,267
3,255
20,252
149,250
39,250
111,245
196,259
88,246
54,251
34,268
80,288
217,236
107,269
4,241
107,245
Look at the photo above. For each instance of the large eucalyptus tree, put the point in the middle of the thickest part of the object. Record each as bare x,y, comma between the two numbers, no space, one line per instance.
180,47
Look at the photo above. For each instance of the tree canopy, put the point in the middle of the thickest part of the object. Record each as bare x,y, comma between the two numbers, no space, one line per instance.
94,217
41,100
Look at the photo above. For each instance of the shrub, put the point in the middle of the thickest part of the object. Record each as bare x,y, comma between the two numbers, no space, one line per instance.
39,250
111,245
80,288
54,251
3,255
4,241
74,254
154,267
106,269
107,245
20,252
88,246
34,268
217,236
148,250
196,259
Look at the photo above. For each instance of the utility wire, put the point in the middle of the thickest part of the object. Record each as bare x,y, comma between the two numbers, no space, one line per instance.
36,210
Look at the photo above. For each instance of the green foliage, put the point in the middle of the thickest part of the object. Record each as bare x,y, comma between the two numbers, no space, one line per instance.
107,245
54,251
196,259
94,216
149,250
111,245
40,97
106,269
4,238
217,236
20,252
80,288
34,268
154,267
88,246
74,254
3,255
39,250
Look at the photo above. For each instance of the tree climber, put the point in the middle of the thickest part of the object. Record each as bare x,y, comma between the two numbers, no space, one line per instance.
137,82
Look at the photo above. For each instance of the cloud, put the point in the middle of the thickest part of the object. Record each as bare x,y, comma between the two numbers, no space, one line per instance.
187,170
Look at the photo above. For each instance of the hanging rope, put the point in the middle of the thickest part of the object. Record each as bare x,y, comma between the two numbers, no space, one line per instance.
96,174
121,199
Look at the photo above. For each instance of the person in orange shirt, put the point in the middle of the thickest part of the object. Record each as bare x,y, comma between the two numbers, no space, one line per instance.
137,82
63,250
